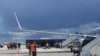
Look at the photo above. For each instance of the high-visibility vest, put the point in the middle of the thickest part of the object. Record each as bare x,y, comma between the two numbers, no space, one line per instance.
71,45
47,44
33,48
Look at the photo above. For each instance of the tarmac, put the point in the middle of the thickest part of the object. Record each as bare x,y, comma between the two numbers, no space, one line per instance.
23,51
44,52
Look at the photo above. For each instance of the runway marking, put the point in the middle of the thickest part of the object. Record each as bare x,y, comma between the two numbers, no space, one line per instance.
17,54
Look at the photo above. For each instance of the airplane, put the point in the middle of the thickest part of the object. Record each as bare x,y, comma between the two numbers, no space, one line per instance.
57,33
85,50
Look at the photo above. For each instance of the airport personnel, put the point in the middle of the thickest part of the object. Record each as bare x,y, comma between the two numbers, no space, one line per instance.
47,45
19,45
8,45
71,46
80,48
29,47
33,49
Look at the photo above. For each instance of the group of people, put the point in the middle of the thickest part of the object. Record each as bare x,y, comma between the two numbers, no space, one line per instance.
13,45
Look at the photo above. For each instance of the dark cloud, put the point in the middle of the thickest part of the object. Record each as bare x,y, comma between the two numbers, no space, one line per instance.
48,14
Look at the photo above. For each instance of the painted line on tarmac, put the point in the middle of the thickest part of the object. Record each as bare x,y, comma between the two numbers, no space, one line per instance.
17,54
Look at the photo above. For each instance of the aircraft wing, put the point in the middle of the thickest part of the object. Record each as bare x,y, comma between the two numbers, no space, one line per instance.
36,31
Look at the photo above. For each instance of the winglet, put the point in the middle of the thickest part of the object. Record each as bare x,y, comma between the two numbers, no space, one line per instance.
18,21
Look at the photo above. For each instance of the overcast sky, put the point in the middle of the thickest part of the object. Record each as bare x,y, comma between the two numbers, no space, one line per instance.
50,15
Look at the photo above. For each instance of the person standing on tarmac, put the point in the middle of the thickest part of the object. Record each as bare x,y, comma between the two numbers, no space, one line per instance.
71,46
33,49
79,48
47,45
29,47
19,45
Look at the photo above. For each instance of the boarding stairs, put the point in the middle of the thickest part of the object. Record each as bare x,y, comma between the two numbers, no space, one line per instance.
86,49
70,39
